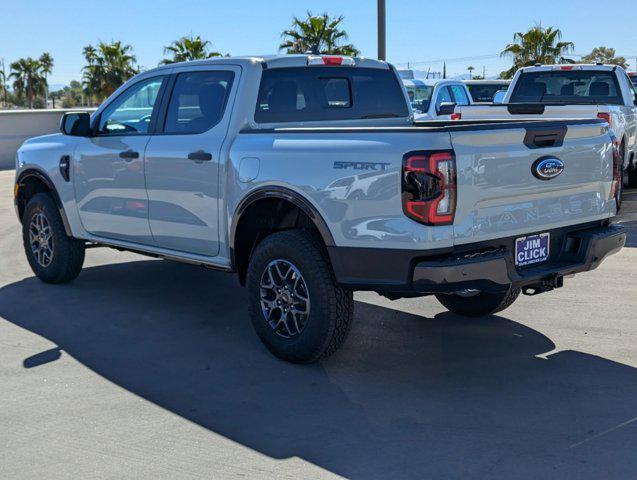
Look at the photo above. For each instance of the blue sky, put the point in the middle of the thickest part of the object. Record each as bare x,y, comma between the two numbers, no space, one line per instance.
464,32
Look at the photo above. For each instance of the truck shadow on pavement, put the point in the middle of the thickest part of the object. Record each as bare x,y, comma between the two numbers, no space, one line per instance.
407,396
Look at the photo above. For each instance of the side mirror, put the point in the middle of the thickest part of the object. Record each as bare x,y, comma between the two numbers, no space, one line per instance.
499,96
76,124
446,108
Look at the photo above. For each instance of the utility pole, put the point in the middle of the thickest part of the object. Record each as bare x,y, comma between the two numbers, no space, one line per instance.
382,39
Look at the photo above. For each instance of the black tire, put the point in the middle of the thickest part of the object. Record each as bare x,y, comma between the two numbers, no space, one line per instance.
67,254
481,304
631,176
331,307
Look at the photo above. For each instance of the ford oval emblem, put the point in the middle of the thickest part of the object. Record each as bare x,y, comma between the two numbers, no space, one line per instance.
546,168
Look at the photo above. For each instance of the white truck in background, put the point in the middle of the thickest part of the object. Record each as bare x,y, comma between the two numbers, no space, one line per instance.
571,91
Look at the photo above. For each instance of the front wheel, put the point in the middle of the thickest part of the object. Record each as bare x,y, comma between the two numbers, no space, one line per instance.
297,309
478,304
53,256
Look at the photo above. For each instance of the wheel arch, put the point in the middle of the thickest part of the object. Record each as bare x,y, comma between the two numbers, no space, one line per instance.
289,210
31,182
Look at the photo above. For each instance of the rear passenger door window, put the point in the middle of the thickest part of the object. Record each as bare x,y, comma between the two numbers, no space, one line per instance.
460,95
198,101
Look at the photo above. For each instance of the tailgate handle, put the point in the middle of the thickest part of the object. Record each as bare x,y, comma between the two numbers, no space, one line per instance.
543,141
544,138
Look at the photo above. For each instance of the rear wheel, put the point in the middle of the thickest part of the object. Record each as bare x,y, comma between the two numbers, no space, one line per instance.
53,256
475,303
297,309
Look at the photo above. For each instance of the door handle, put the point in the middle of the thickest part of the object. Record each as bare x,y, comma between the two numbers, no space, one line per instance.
129,155
200,156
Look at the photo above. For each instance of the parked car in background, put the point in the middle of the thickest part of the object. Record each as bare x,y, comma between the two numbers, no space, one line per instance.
572,91
433,99
633,78
305,175
484,91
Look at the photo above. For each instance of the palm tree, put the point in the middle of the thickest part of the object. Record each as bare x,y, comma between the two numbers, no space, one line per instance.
108,67
28,78
3,85
90,55
471,69
537,45
317,34
46,60
188,48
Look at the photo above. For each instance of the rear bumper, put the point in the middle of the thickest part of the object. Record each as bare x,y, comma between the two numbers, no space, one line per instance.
484,266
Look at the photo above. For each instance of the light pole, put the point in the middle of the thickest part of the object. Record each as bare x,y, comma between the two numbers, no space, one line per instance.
382,46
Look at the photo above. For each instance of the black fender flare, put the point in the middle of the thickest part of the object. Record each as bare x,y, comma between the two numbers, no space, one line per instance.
284,194
44,178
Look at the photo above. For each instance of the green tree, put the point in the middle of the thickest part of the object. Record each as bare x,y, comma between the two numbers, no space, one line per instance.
604,55
187,49
28,78
4,91
537,45
319,34
90,55
46,60
72,95
471,68
108,66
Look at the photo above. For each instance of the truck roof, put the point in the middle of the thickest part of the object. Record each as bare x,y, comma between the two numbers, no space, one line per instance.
278,61
498,81
569,66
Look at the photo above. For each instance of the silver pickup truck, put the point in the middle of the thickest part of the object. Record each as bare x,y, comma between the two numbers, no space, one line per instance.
307,176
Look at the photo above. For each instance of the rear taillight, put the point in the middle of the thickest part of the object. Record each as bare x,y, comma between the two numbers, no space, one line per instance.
456,116
429,187
605,116
618,166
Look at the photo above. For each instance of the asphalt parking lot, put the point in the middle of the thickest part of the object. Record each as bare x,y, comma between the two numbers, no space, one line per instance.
150,369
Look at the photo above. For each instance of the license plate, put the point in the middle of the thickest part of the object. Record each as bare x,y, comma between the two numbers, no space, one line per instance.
532,249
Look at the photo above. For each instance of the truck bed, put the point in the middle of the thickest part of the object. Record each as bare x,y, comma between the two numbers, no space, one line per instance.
353,177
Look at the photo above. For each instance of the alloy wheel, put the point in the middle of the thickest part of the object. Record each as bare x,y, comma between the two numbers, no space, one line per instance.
41,239
285,299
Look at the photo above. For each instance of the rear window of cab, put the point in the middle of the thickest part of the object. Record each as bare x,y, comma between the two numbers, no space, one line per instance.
302,94
568,86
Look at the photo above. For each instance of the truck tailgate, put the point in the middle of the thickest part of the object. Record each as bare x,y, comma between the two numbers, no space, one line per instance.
529,111
498,194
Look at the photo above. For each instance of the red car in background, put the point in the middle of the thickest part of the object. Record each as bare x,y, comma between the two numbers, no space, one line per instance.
633,77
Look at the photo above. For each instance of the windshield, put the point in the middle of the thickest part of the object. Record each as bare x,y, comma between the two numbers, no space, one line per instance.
567,86
420,97
485,92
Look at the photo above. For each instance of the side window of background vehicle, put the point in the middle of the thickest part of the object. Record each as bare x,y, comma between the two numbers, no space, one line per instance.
444,96
197,101
131,112
460,95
